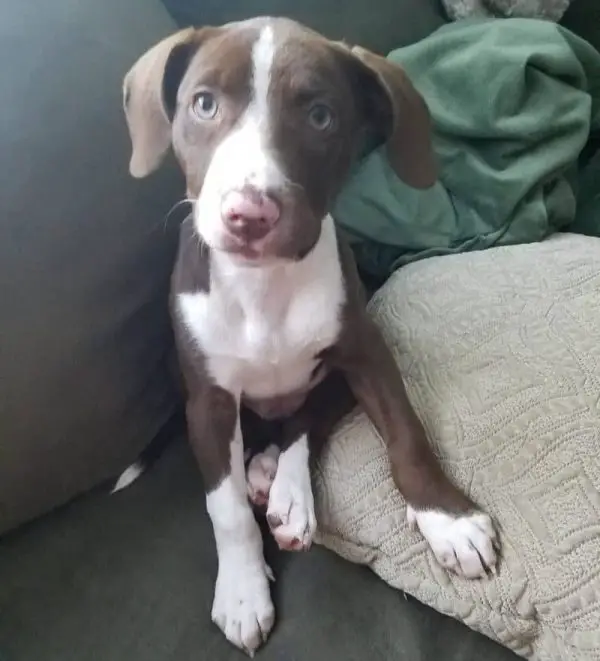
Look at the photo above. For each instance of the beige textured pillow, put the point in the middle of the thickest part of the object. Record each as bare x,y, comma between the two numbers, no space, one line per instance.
500,351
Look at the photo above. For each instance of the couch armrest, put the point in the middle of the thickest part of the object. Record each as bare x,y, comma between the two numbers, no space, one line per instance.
84,255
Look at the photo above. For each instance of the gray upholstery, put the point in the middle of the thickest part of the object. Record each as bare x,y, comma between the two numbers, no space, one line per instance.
380,25
84,254
130,578
583,18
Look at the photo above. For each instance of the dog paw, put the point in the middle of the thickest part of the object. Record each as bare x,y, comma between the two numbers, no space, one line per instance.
242,606
291,513
464,544
260,474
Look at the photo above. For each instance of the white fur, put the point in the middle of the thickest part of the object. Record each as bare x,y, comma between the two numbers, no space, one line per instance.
463,544
261,328
260,474
291,500
263,53
242,606
244,156
128,476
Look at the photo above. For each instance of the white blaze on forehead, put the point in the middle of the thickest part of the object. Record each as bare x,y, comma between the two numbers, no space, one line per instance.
245,156
264,171
263,53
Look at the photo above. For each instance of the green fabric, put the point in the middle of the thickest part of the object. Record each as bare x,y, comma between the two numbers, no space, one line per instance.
512,103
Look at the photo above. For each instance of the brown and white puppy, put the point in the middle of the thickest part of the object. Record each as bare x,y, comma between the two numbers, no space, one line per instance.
266,119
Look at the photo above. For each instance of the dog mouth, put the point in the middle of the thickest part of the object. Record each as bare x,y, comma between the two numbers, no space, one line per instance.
250,251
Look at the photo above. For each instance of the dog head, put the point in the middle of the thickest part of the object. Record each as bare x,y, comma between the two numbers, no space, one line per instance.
266,119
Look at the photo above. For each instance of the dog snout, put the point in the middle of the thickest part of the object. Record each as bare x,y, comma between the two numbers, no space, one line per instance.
249,213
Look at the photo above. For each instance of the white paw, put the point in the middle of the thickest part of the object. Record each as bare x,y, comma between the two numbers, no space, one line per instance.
242,606
291,515
465,544
260,474
291,512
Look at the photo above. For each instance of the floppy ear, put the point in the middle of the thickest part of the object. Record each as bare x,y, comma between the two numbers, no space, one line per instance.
396,108
149,96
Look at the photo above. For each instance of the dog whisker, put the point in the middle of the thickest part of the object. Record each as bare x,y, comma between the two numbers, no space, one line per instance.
174,208
202,246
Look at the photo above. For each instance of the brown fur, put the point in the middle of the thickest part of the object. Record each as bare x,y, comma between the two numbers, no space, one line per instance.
370,96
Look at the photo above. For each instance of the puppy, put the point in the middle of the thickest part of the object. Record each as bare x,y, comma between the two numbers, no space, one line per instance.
266,119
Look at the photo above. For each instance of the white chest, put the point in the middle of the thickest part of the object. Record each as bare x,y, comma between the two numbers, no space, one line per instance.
262,329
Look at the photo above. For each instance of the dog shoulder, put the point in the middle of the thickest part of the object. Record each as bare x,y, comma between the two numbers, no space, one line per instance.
354,291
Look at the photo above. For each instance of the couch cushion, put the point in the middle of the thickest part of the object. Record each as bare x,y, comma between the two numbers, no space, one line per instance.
583,17
84,254
390,24
500,351
130,578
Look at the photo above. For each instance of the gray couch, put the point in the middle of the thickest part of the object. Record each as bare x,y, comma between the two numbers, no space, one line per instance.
85,384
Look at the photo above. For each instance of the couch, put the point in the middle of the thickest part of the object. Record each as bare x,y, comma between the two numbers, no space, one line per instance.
85,368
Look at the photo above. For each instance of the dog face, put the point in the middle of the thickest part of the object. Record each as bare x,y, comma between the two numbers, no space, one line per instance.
266,119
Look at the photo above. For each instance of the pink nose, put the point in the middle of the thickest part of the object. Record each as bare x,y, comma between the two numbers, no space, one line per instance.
249,214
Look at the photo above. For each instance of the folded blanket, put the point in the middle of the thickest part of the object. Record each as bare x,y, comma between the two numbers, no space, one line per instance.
513,103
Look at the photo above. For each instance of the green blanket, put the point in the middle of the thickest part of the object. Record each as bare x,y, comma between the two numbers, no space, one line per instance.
513,103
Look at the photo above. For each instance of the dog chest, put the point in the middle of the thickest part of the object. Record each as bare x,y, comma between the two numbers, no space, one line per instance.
266,341
261,329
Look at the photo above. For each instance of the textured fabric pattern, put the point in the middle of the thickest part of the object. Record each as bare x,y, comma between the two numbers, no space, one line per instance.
500,351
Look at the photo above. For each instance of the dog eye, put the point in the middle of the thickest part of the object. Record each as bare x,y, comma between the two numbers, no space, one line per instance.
320,117
205,105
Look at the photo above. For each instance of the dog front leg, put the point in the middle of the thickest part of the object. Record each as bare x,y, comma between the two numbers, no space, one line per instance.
242,606
291,511
461,536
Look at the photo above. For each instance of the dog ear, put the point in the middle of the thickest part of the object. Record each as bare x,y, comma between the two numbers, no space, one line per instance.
150,94
399,114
